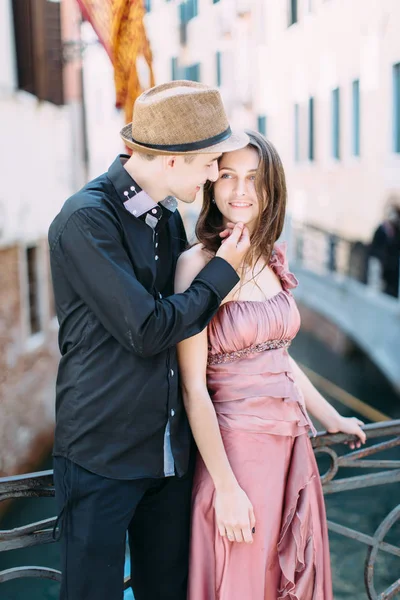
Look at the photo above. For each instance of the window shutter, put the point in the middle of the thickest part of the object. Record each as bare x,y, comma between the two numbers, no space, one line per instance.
22,16
37,27
39,47
54,91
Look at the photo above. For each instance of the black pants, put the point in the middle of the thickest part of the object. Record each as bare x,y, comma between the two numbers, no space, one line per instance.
95,515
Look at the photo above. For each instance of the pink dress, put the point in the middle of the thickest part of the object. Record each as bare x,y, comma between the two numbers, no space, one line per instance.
264,427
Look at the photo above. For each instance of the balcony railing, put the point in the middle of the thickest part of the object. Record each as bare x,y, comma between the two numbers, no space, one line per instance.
381,438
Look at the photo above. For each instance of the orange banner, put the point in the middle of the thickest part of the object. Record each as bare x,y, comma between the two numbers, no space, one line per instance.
120,28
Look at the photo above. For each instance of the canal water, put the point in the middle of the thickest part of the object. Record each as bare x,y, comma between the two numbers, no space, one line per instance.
362,510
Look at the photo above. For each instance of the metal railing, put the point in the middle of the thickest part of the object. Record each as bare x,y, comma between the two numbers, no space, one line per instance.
384,436
322,251
387,472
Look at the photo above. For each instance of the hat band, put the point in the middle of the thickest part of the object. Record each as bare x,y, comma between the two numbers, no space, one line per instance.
190,146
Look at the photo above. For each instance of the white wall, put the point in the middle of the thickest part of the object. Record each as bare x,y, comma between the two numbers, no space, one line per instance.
40,142
35,140
336,43
104,121
268,67
7,63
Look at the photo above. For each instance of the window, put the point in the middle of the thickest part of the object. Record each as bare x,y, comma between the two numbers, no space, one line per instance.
296,133
188,10
336,123
33,289
311,141
218,68
193,72
396,108
38,46
194,8
292,17
356,118
174,68
262,124
304,131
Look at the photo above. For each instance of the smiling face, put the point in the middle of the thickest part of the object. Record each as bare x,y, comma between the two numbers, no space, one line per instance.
251,188
185,178
234,191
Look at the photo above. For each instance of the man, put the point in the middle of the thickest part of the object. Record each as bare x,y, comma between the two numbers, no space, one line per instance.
122,443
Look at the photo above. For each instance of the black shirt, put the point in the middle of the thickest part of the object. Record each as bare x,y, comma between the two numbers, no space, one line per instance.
118,405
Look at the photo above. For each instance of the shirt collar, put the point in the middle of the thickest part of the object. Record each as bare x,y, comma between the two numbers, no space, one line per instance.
136,200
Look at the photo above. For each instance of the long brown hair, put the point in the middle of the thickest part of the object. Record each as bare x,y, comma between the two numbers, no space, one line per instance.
271,192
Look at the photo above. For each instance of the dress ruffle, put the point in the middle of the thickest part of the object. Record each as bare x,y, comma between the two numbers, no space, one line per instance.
259,394
301,552
279,264
289,557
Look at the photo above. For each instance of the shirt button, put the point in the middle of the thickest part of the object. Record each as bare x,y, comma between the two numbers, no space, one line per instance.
156,257
156,244
172,412
159,293
154,211
171,372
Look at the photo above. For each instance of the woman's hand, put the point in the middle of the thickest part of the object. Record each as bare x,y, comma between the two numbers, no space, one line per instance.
235,515
350,425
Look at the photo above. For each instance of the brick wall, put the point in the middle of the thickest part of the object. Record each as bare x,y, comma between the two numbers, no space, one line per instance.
27,371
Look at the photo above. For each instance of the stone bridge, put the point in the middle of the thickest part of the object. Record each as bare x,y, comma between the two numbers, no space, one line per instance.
340,282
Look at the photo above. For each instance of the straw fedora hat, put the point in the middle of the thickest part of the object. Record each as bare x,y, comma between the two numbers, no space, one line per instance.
181,117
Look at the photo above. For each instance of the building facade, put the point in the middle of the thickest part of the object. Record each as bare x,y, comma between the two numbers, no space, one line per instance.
58,127
34,170
321,78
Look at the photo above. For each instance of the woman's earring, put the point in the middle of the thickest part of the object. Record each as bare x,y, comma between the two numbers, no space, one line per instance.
213,200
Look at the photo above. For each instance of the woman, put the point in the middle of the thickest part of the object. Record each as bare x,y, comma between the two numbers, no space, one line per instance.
259,528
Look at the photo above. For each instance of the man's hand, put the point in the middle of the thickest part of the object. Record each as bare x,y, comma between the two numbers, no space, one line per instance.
235,246
227,232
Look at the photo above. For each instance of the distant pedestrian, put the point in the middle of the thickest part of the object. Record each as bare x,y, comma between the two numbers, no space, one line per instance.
385,246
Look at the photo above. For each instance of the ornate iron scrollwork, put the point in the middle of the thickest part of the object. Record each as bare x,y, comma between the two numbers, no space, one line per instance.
388,472
41,485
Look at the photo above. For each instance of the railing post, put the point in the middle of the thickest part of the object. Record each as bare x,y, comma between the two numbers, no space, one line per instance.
374,275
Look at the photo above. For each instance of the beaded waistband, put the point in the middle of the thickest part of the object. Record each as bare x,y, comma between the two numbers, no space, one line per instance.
217,359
